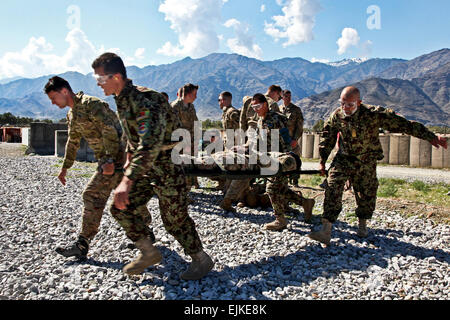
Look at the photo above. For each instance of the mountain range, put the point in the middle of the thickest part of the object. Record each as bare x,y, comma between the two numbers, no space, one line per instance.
419,89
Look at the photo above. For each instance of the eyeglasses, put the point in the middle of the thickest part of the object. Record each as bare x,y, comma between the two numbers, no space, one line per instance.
257,106
102,79
348,104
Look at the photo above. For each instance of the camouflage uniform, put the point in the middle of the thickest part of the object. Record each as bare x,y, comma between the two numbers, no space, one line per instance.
230,120
295,126
249,118
359,151
273,105
148,121
92,119
188,116
277,187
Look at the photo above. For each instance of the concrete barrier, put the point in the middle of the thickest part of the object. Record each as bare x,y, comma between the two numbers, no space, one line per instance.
308,146
440,158
316,154
419,153
85,153
42,138
385,142
399,149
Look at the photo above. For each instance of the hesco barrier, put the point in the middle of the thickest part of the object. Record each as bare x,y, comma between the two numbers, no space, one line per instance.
440,158
42,138
420,153
385,144
399,149
308,146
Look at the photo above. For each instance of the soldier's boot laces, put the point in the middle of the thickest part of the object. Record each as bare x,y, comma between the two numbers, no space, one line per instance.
362,229
279,224
324,235
149,256
152,238
226,205
308,205
200,266
78,250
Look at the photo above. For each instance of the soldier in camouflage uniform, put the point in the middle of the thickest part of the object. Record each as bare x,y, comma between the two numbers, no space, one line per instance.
358,127
230,120
185,110
277,187
295,125
92,119
249,118
148,122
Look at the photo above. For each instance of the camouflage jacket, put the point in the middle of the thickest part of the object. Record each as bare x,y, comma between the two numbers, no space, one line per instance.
92,119
295,120
359,133
276,121
273,105
230,118
148,122
186,114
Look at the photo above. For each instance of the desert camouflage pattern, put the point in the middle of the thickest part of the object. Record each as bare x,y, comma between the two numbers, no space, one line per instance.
273,105
295,120
186,114
359,151
92,119
148,121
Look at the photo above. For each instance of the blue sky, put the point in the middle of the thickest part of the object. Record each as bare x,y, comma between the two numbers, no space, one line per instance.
49,36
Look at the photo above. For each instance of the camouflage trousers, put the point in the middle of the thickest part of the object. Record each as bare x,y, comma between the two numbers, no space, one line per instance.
281,195
168,183
95,197
237,189
362,175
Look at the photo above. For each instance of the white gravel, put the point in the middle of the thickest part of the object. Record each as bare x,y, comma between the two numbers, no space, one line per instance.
403,258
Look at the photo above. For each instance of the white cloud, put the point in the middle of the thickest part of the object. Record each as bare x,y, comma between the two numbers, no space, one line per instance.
194,21
263,8
297,23
37,57
348,39
243,44
366,48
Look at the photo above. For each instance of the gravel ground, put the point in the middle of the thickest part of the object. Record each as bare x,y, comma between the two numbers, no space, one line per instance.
403,258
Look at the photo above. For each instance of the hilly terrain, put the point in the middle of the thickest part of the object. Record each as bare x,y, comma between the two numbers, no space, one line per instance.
418,89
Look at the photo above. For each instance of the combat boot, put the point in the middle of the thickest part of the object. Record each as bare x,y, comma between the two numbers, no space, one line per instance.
226,205
324,235
152,238
149,256
200,266
279,224
79,249
362,229
308,205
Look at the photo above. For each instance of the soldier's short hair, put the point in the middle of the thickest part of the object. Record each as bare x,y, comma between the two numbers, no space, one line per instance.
57,84
275,88
165,95
227,94
260,98
111,63
286,92
189,88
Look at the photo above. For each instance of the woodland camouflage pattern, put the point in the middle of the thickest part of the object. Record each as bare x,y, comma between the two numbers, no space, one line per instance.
359,151
148,122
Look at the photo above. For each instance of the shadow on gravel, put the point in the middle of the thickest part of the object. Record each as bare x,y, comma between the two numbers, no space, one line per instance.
93,262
